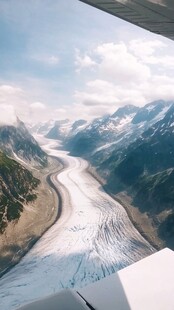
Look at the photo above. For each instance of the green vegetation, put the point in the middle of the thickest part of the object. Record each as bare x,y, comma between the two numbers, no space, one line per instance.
17,187
155,193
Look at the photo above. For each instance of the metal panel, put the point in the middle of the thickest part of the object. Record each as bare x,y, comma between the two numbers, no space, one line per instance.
154,15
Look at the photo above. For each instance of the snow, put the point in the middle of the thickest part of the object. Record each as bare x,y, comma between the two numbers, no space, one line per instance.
141,125
113,125
93,238
154,131
172,124
161,114
19,159
150,108
124,122
66,128
107,145
79,128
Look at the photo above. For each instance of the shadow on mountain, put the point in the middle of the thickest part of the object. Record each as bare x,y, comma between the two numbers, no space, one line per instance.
10,255
166,231
86,269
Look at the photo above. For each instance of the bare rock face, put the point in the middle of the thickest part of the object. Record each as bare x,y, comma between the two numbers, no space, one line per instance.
16,141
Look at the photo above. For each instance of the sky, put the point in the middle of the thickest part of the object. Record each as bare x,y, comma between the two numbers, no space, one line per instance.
65,59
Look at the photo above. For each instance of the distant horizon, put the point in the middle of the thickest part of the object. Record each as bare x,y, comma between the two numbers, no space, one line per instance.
12,120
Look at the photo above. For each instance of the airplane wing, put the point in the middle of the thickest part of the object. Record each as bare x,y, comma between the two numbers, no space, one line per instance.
154,15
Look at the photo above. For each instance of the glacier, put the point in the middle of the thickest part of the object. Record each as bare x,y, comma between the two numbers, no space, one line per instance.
92,239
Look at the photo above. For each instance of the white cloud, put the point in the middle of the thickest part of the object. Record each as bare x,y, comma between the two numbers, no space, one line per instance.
50,60
124,75
109,76
61,110
14,96
143,48
90,112
98,92
106,97
37,106
150,52
53,60
160,87
83,61
119,65
7,115
9,90
100,85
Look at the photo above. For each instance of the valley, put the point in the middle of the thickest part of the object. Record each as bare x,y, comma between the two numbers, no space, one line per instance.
33,218
28,206
92,239
102,198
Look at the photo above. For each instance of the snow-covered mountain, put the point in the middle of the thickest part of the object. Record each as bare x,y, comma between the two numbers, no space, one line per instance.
153,152
101,132
18,143
59,130
41,128
151,111
65,128
145,169
128,109
109,133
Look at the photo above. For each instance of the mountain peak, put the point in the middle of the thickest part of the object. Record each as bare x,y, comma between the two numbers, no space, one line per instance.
125,111
17,142
150,111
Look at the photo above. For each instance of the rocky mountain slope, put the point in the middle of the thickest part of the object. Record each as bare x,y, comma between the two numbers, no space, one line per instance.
113,133
101,133
17,188
146,171
41,128
17,142
18,150
154,150
65,128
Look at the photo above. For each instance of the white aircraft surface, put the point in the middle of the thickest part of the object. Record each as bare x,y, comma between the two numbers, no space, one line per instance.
145,285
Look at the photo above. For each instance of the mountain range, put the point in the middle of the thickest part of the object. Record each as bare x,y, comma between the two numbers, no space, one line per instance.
133,150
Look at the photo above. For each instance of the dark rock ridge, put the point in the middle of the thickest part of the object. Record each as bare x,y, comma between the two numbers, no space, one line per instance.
15,140
146,170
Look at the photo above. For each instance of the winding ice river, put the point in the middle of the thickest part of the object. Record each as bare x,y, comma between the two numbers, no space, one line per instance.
93,238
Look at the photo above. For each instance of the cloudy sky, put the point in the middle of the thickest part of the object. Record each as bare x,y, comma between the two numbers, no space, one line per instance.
64,59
